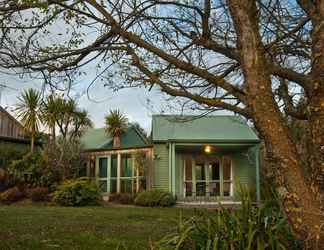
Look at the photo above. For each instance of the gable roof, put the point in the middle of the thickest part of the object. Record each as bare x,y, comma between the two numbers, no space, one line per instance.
207,128
96,139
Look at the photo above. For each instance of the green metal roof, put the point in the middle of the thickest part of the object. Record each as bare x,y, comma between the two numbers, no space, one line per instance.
207,128
98,139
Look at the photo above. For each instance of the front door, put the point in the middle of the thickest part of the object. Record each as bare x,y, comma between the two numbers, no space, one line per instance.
208,177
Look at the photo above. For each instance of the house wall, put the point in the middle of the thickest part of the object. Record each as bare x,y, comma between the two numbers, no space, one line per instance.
21,147
244,172
9,126
161,166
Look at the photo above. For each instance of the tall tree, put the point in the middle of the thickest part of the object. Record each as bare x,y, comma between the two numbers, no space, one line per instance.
116,124
28,109
261,59
50,112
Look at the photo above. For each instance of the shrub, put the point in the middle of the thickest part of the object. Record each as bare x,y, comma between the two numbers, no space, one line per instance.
39,194
247,228
123,198
79,192
152,198
12,195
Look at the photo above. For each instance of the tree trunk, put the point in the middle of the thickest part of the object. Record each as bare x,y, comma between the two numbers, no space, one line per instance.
116,141
53,134
298,201
32,143
316,97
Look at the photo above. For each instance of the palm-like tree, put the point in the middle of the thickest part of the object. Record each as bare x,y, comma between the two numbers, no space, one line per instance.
29,113
50,112
80,122
116,124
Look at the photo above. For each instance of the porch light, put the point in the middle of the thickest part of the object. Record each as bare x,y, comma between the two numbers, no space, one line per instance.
207,149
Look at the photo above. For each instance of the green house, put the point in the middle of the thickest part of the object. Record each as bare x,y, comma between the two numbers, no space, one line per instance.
203,159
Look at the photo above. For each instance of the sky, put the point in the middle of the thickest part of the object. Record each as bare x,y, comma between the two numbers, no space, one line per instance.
132,102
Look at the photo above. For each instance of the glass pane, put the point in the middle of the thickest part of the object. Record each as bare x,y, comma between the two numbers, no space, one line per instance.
103,167
113,186
200,189
214,189
200,172
126,186
126,166
188,186
103,186
227,188
113,172
214,171
226,168
188,169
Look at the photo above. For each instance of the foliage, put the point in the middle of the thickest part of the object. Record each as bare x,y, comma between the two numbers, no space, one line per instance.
65,113
247,228
29,112
11,195
141,163
116,123
50,111
79,192
8,154
39,194
122,198
154,198
64,157
32,170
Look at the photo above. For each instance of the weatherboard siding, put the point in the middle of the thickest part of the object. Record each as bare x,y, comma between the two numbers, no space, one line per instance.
161,166
244,172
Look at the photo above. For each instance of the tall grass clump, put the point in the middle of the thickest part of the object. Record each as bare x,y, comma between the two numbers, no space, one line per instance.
249,227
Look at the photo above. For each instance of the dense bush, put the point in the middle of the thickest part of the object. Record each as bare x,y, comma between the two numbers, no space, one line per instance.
11,195
39,194
152,198
79,192
123,198
247,228
32,170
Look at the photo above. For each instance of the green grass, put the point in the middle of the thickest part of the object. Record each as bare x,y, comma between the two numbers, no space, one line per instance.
40,227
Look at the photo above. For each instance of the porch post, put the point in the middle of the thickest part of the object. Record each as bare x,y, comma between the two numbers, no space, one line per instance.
97,169
118,171
173,170
108,173
88,166
257,174
170,167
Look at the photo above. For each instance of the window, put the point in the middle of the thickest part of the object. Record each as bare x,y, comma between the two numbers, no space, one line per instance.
126,174
214,179
227,176
113,174
200,180
103,174
188,176
208,177
128,180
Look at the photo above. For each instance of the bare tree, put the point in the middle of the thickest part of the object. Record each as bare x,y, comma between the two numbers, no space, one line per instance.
263,60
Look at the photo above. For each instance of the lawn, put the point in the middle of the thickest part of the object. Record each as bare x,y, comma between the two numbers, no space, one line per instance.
40,227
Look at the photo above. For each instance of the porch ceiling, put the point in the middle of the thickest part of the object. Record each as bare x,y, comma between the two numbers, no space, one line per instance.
215,148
